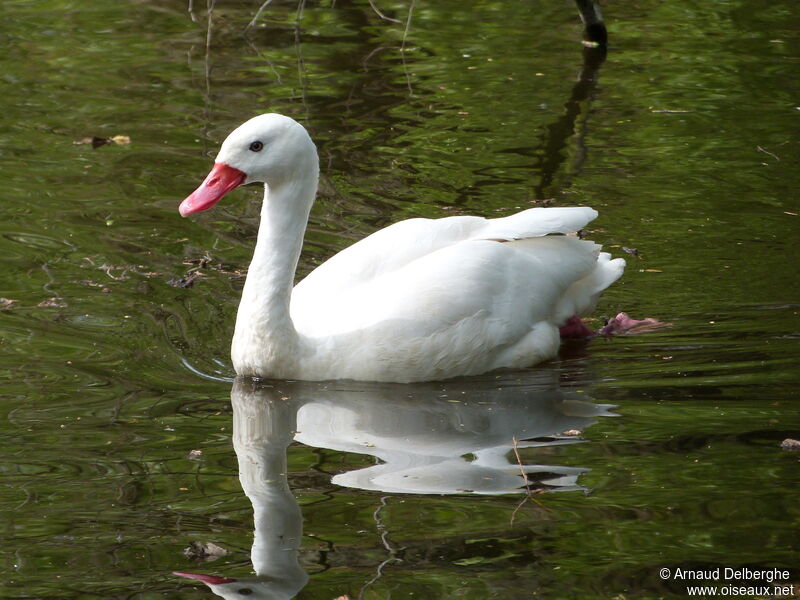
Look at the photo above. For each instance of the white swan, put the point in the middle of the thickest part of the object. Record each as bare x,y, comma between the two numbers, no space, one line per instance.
420,300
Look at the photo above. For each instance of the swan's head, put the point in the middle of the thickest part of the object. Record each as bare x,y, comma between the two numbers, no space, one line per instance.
270,148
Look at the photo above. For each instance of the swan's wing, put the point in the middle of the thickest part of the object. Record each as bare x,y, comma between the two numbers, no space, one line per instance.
399,244
453,310
519,282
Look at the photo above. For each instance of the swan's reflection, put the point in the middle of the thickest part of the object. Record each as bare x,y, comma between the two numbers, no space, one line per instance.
438,438
442,439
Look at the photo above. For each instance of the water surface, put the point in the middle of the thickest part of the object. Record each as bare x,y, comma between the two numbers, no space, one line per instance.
118,437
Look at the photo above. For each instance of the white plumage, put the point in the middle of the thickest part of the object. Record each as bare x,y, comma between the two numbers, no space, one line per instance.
422,299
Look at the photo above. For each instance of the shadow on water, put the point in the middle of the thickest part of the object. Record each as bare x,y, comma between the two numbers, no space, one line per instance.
460,437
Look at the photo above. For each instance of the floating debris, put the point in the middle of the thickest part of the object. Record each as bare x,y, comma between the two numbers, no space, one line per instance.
108,268
185,282
97,141
6,302
194,273
204,550
195,455
773,155
54,302
790,444
632,251
200,263
94,284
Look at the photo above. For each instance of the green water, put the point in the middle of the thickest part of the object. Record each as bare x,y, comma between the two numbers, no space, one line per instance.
687,145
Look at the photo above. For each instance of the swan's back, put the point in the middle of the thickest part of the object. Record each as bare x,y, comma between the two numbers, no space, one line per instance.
427,299
393,247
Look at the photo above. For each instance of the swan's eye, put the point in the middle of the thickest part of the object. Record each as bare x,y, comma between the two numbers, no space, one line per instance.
256,146
245,591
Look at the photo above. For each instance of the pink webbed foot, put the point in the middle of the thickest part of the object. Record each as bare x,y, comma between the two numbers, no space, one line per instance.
574,328
622,324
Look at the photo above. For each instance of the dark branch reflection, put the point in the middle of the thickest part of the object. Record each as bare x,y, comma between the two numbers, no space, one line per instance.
558,134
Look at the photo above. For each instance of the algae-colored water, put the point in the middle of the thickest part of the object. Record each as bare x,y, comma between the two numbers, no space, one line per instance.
122,437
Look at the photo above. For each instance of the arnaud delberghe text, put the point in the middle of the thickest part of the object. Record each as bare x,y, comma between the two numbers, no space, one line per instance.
731,574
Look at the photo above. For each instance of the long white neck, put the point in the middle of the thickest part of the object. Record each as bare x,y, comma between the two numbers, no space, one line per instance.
265,341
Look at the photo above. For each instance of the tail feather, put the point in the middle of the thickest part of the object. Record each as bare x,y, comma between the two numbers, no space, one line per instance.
581,297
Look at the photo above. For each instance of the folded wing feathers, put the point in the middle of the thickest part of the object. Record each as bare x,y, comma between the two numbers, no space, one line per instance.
397,245
536,222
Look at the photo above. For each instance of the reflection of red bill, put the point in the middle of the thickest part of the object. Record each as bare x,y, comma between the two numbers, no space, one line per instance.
221,180
209,579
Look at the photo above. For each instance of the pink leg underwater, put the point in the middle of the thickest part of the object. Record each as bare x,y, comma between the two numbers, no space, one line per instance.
621,324
574,328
